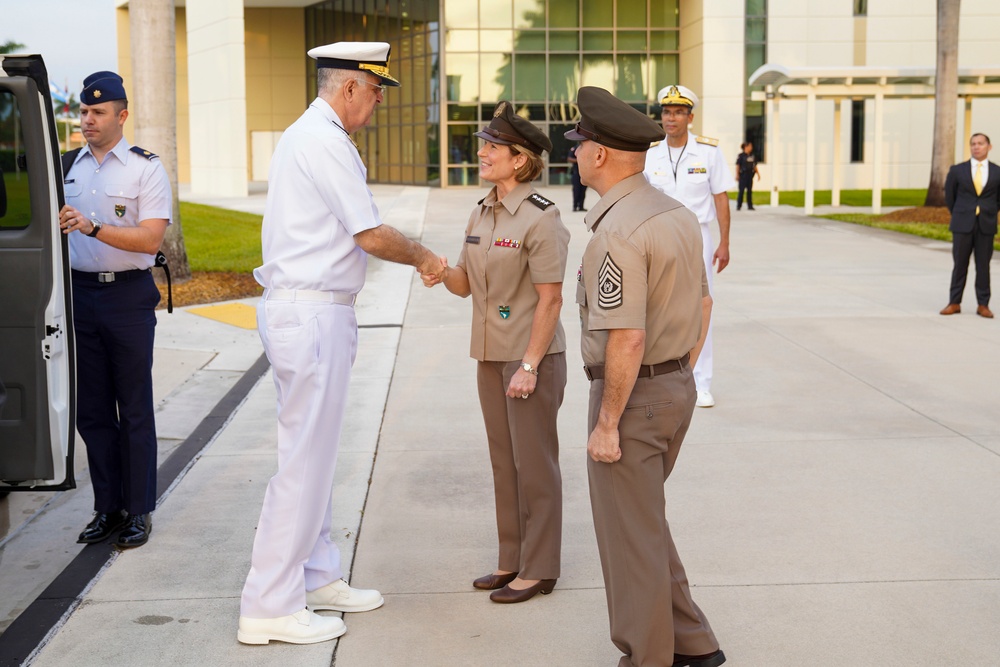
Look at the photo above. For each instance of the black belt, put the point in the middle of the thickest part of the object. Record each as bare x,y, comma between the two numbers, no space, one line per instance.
109,276
597,372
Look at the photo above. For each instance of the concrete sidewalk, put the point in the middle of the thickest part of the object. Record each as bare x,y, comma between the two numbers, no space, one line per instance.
840,506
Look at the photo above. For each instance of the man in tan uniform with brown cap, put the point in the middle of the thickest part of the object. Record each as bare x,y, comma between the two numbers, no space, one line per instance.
640,293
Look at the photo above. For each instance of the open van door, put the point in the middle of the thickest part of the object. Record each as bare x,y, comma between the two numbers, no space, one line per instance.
38,399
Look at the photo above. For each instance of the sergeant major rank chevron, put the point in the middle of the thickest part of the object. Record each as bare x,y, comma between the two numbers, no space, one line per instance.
609,278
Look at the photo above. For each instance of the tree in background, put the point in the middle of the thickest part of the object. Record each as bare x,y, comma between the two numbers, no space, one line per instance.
10,46
945,99
154,90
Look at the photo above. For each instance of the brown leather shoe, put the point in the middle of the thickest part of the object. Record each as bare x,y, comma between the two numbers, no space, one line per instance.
983,311
508,595
951,309
491,582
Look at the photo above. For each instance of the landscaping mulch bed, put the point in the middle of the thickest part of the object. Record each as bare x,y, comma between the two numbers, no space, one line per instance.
207,287
930,214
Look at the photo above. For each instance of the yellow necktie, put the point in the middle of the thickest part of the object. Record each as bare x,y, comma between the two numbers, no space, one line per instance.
977,182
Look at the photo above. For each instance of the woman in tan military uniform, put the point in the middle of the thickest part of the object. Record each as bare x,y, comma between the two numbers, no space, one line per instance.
512,263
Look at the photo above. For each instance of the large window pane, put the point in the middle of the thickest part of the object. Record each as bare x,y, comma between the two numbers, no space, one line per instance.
598,40
463,77
497,40
493,13
463,112
560,144
598,14
598,70
564,41
632,40
663,40
564,14
495,77
529,13
632,13
664,72
631,80
529,40
664,14
564,77
461,40
529,77
461,14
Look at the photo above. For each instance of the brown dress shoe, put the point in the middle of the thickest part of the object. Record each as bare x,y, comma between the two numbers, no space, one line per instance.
491,582
713,659
508,595
983,311
951,309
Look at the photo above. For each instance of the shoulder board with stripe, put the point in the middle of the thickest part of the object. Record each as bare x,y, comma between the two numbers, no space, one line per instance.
655,143
707,140
539,201
480,202
143,152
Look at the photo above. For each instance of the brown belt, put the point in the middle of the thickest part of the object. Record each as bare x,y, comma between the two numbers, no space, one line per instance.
597,372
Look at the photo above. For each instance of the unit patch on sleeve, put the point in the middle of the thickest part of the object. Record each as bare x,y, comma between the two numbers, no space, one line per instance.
539,201
609,278
507,243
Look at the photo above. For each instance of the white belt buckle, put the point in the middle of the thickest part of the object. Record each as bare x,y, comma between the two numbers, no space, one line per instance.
106,277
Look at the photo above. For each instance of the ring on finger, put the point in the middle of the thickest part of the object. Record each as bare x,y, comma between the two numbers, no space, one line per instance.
524,396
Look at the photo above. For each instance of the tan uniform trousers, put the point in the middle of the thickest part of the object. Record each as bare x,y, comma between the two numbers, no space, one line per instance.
650,607
524,451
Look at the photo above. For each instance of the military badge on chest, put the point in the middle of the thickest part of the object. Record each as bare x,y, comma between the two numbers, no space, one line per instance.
609,279
507,243
504,312
120,210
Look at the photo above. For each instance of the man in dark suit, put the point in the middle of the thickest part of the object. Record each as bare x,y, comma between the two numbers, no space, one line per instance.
972,194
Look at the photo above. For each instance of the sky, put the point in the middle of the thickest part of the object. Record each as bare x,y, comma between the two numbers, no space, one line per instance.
75,37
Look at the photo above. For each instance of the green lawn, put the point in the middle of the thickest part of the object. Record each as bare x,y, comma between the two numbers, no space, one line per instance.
847,197
221,240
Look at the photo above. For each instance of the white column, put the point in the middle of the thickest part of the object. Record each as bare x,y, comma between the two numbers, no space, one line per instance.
771,110
837,176
217,97
877,160
810,152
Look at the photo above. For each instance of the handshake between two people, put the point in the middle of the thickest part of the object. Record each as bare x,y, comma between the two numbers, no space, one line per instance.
434,273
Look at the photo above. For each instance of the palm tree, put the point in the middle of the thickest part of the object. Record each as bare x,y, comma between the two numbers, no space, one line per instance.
945,97
152,28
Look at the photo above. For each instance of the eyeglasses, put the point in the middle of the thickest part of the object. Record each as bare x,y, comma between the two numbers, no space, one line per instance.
379,88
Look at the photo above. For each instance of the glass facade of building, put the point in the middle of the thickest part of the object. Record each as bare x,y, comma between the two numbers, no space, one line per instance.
458,58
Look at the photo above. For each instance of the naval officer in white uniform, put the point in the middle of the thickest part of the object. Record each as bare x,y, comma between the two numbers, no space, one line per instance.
693,170
320,225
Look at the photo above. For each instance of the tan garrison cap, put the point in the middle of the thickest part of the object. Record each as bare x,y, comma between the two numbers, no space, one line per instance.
677,96
368,56
508,128
612,123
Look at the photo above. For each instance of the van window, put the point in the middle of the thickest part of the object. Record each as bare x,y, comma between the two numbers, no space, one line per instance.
15,177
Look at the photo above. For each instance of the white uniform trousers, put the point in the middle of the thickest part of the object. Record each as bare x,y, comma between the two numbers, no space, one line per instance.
311,347
703,367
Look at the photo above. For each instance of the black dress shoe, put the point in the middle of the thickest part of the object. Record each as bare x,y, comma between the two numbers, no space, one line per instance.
713,659
101,526
136,531
491,582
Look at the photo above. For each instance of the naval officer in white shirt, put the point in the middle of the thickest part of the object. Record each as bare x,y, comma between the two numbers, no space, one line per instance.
320,225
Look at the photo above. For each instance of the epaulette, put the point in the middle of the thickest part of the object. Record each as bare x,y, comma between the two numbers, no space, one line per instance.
480,202
707,140
539,201
655,143
143,152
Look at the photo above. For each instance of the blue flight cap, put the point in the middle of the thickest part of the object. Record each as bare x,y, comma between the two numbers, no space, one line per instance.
102,87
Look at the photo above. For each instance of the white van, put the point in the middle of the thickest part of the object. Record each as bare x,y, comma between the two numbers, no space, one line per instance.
38,399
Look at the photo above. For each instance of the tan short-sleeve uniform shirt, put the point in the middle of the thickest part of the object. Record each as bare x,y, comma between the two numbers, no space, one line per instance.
510,245
642,269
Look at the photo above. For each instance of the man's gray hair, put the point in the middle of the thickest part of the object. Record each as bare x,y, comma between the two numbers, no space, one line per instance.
329,80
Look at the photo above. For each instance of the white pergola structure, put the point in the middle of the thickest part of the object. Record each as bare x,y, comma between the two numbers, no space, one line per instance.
854,83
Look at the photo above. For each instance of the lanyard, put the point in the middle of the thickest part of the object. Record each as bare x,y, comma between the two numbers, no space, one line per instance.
670,157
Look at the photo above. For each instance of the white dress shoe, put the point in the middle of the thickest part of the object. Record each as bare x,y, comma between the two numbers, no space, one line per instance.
705,399
302,627
339,596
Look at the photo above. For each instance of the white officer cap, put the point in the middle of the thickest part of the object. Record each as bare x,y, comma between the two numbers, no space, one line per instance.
677,96
368,56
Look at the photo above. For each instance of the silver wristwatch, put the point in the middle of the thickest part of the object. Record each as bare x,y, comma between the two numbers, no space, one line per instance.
526,366
97,227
